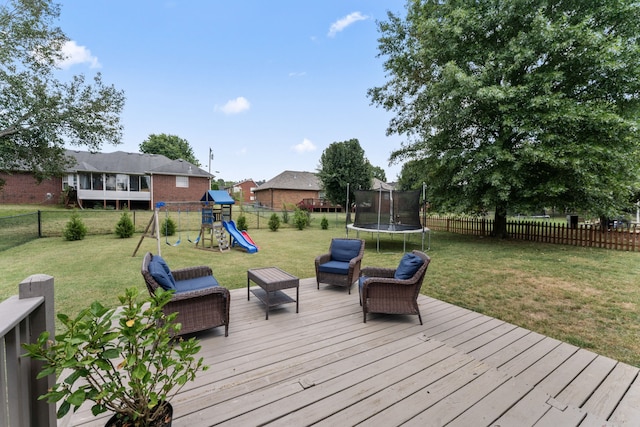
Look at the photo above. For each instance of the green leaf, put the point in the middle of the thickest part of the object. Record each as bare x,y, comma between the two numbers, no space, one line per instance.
77,397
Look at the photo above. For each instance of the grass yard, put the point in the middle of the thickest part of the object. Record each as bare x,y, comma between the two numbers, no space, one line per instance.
587,297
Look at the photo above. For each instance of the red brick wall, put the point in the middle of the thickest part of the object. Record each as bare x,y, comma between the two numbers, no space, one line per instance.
275,198
165,190
246,191
22,188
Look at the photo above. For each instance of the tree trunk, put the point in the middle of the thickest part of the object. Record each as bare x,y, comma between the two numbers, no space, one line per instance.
500,222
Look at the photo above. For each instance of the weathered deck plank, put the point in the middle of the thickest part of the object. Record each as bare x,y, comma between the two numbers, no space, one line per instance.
324,366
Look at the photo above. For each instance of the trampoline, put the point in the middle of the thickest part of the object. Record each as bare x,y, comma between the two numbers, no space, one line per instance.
389,212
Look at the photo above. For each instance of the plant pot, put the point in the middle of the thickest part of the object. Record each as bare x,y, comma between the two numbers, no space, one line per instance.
165,419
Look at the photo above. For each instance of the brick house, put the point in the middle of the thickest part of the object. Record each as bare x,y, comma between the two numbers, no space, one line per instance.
290,188
115,180
243,191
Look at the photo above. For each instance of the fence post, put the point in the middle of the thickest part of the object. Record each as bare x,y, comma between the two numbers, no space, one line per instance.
40,285
39,223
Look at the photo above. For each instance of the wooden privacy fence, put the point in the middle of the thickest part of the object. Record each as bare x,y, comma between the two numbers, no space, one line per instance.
625,238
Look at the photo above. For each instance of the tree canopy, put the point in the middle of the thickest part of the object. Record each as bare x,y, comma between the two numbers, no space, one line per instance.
170,146
516,104
344,163
39,112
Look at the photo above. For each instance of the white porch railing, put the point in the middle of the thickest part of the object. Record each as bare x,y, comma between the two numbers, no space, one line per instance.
22,319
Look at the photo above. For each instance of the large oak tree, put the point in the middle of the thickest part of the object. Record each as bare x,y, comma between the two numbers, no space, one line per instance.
39,112
171,146
516,104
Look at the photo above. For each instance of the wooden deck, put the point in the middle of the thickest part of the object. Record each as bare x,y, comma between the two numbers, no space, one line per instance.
324,366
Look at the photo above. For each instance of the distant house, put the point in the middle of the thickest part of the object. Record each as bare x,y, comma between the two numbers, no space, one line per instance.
243,191
114,180
288,189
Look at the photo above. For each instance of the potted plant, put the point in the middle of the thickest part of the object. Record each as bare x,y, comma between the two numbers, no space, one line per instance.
129,361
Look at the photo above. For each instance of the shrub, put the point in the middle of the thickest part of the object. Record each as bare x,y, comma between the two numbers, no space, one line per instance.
274,222
324,223
300,219
242,223
285,214
125,227
75,228
168,227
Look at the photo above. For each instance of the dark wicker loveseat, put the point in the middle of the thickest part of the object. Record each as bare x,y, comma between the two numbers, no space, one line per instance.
201,303
382,291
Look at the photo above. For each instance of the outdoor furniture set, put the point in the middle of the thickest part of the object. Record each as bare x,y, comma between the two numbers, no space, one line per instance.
202,303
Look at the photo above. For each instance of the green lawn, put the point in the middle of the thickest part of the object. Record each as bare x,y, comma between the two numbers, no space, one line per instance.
587,297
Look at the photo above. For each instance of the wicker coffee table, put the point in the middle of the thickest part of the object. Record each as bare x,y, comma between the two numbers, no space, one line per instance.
271,281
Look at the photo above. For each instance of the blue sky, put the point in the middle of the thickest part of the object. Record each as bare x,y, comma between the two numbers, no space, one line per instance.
267,85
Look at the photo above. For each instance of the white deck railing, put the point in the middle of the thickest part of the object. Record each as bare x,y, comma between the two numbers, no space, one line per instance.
22,319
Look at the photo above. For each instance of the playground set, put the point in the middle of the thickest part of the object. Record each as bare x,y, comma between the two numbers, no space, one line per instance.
217,228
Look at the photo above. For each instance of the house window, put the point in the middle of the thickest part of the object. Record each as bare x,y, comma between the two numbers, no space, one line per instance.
122,182
110,179
145,183
134,183
97,182
182,181
85,181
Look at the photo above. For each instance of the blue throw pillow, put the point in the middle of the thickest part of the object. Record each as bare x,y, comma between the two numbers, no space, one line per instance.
409,264
345,249
161,273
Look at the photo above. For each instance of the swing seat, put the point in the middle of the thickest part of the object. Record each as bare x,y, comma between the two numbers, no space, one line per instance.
200,301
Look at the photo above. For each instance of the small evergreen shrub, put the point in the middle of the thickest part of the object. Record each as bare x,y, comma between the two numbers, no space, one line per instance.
75,228
285,215
300,219
274,222
324,223
242,223
125,227
168,227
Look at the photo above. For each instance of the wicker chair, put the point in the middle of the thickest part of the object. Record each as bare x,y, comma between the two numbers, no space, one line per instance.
198,309
341,265
380,292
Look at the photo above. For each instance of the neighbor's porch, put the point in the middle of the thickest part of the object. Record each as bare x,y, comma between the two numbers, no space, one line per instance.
325,366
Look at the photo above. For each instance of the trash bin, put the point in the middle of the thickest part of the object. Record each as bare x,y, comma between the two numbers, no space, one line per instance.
572,221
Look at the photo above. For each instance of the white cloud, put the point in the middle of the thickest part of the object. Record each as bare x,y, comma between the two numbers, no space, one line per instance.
343,23
75,54
297,74
304,146
235,106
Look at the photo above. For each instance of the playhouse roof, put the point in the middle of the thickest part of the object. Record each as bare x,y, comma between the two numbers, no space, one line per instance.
219,197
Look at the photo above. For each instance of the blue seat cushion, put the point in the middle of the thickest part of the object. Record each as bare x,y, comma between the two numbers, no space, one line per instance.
361,282
345,249
161,273
196,283
409,264
335,267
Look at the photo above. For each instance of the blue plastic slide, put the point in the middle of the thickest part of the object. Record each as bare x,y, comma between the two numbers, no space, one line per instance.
238,238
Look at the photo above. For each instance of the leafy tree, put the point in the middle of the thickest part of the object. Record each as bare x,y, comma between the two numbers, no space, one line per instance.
517,104
344,163
412,175
170,146
379,173
40,113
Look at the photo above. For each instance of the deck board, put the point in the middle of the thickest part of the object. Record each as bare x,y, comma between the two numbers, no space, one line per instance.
325,366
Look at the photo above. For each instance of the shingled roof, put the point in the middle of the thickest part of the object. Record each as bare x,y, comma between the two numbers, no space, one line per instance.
293,180
131,163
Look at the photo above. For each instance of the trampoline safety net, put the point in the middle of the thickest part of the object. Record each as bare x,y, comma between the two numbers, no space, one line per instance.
384,210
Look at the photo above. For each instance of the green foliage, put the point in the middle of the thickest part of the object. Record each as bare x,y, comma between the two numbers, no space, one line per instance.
512,105
301,219
379,173
274,222
344,163
170,146
75,228
127,363
125,227
168,227
242,223
324,223
285,214
40,114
